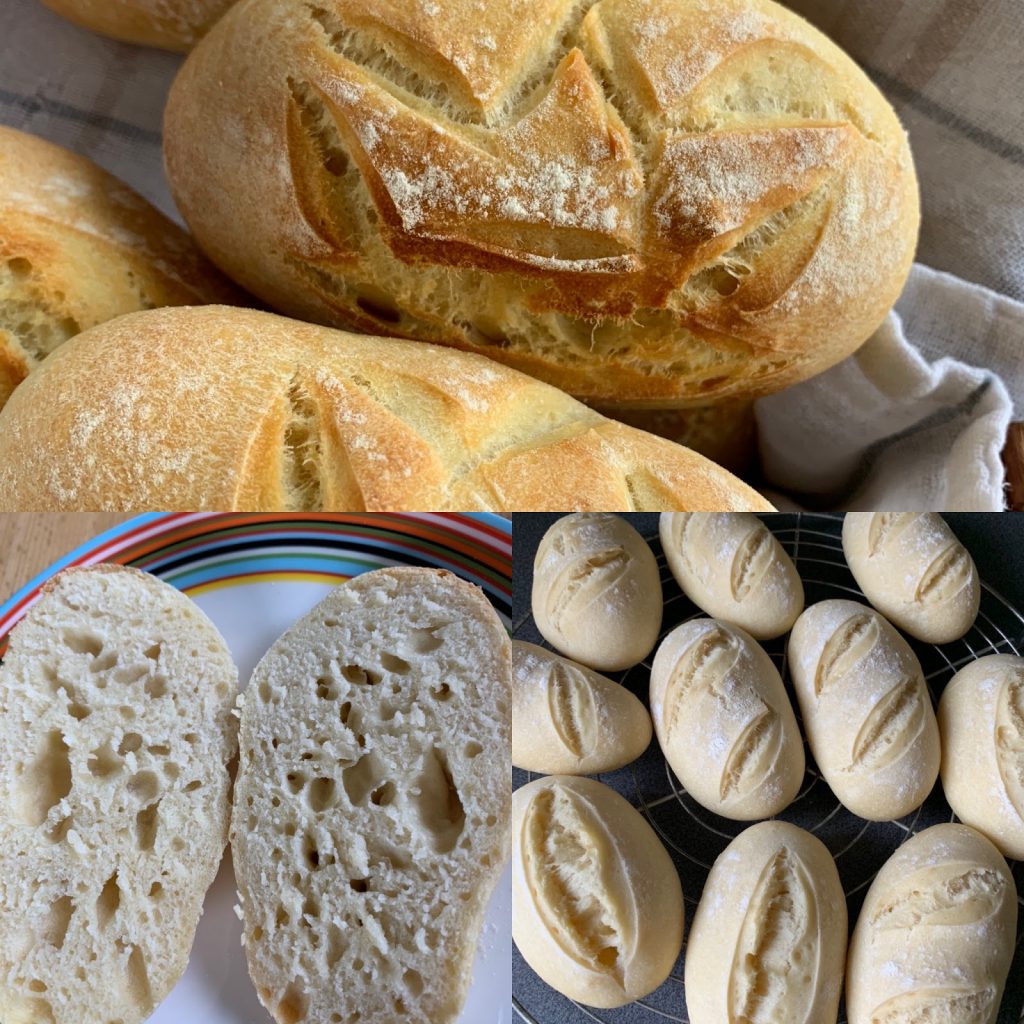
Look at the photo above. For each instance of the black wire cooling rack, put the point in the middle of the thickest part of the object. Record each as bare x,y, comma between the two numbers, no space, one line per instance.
695,836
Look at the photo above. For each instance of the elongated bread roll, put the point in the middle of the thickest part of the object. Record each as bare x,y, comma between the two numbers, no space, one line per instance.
866,709
168,24
768,942
117,729
644,202
229,409
724,721
731,566
77,248
596,591
981,721
935,936
914,571
568,720
371,815
597,908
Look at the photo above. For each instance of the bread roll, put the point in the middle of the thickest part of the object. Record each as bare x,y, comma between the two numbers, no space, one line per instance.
732,567
372,806
597,908
935,936
117,696
981,721
724,721
168,24
568,720
914,571
596,591
768,942
643,202
866,709
77,247
228,409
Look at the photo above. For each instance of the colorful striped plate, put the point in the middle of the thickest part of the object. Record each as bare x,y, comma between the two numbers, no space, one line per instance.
254,575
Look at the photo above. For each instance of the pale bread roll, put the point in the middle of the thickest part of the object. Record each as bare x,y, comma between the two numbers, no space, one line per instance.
653,203
77,248
914,571
220,409
371,810
168,24
936,934
731,566
724,721
117,729
768,942
981,721
866,709
596,591
597,908
568,719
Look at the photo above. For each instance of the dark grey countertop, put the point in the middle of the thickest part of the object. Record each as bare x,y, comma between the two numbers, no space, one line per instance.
693,835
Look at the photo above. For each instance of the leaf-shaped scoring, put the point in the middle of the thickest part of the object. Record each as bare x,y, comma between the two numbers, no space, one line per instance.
965,1006
752,754
885,527
891,727
604,568
703,666
1010,738
775,966
945,894
851,642
947,575
571,870
572,708
751,562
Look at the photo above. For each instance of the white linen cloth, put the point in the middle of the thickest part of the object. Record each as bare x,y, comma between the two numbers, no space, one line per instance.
918,417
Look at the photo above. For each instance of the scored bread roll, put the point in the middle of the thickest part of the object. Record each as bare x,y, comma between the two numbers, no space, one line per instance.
724,721
168,24
568,720
597,908
226,409
596,591
731,566
372,806
768,942
981,722
643,202
77,248
117,731
866,709
914,571
935,937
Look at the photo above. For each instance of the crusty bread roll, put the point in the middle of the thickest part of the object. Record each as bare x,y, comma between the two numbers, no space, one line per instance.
597,908
117,729
981,722
866,709
768,942
568,720
77,247
645,202
731,566
168,24
936,934
914,571
372,806
229,409
596,591
724,721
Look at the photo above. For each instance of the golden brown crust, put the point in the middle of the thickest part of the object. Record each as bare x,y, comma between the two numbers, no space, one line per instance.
168,24
644,202
229,409
78,247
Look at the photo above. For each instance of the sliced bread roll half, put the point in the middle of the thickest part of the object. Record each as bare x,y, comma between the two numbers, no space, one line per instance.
372,805
115,733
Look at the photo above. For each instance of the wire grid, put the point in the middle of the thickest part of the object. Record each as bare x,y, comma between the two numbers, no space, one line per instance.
695,836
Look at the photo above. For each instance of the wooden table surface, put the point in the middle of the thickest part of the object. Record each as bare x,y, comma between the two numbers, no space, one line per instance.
30,541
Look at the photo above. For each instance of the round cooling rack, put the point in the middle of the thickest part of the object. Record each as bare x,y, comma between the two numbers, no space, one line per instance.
695,836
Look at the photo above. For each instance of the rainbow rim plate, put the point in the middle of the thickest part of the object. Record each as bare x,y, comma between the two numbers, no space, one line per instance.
255,575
